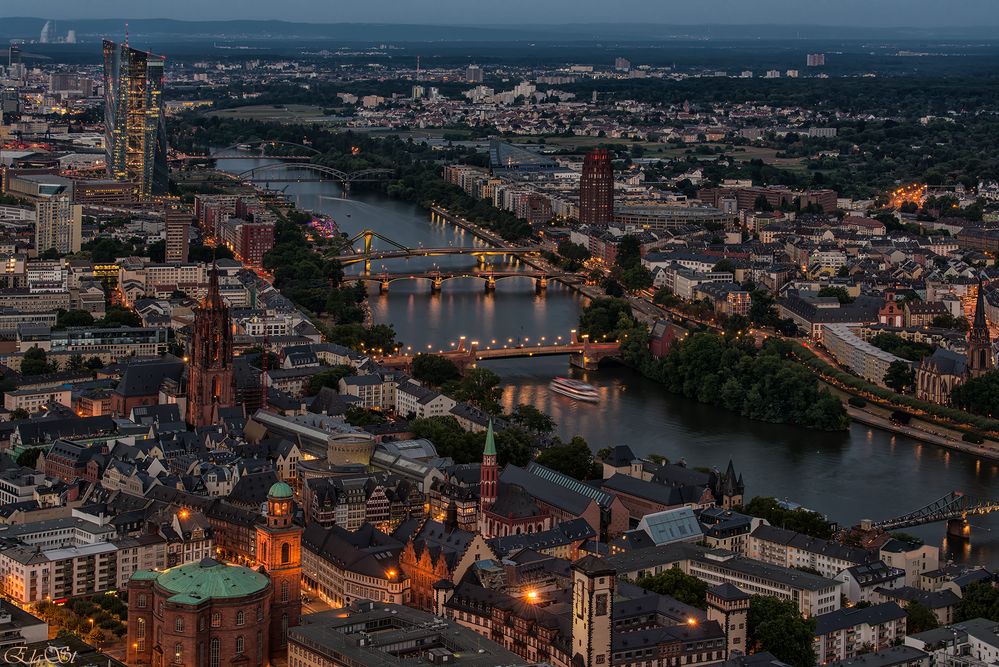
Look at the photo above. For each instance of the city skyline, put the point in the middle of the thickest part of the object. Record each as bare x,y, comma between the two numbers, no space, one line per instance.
848,13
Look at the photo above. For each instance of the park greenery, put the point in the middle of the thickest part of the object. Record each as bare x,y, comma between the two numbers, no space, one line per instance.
674,582
434,370
960,416
979,600
799,520
513,445
723,370
729,372
328,377
96,619
900,377
573,458
777,626
317,285
919,618
900,347
979,395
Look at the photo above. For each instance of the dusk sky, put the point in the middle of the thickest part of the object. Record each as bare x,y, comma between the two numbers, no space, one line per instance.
887,13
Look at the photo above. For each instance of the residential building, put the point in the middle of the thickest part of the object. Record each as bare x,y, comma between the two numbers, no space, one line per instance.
58,225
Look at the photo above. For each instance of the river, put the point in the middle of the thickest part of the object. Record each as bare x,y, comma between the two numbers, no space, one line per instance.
861,473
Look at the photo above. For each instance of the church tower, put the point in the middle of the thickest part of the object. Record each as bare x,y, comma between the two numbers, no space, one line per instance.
592,596
209,373
279,553
488,474
980,359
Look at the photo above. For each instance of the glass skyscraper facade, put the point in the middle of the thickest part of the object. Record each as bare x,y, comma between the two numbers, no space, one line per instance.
133,118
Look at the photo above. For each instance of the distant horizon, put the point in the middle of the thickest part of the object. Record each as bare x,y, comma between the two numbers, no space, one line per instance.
886,14
568,24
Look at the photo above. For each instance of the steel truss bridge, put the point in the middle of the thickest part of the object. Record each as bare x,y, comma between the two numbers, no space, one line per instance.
954,507
322,173
399,251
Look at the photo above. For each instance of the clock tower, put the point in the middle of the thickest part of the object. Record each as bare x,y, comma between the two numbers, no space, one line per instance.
279,553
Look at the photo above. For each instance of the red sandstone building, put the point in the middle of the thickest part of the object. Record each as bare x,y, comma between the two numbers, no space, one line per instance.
596,189
210,614
210,383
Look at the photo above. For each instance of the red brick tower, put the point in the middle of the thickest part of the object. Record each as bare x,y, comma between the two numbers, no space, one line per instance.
209,374
279,552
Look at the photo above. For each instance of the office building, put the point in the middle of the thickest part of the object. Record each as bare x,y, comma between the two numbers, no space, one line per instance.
133,118
816,60
596,188
177,224
58,225
473,74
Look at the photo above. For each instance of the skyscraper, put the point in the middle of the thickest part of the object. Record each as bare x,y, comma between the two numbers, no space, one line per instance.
58,225
133,117
210,373
177,224
596,188
473,74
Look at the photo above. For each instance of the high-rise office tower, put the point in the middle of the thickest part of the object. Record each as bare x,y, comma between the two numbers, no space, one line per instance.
473,74
58,225
14,55
133,116
178,225
596,188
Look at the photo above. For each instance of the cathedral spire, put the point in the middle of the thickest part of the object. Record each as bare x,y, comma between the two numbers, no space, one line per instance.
980,357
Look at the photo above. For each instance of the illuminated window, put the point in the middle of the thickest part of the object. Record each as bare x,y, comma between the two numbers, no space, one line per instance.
140,628
178,653
216,620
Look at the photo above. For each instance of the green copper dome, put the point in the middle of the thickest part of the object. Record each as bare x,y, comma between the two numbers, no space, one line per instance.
193,583
280,490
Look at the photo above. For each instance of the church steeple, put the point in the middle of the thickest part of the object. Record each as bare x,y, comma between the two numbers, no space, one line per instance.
489,472
980,359
210,374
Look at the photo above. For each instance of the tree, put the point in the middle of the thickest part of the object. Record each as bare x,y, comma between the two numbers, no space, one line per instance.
919,618
798,520
900,376
602,318
76,362
73,318
434,369
156,251
629,252
328,378
980,600
636,277
94,363
358,416
673,582
35,362
573,458
532,419
841,293
479,386
573,255
777,626
19,413
116,316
